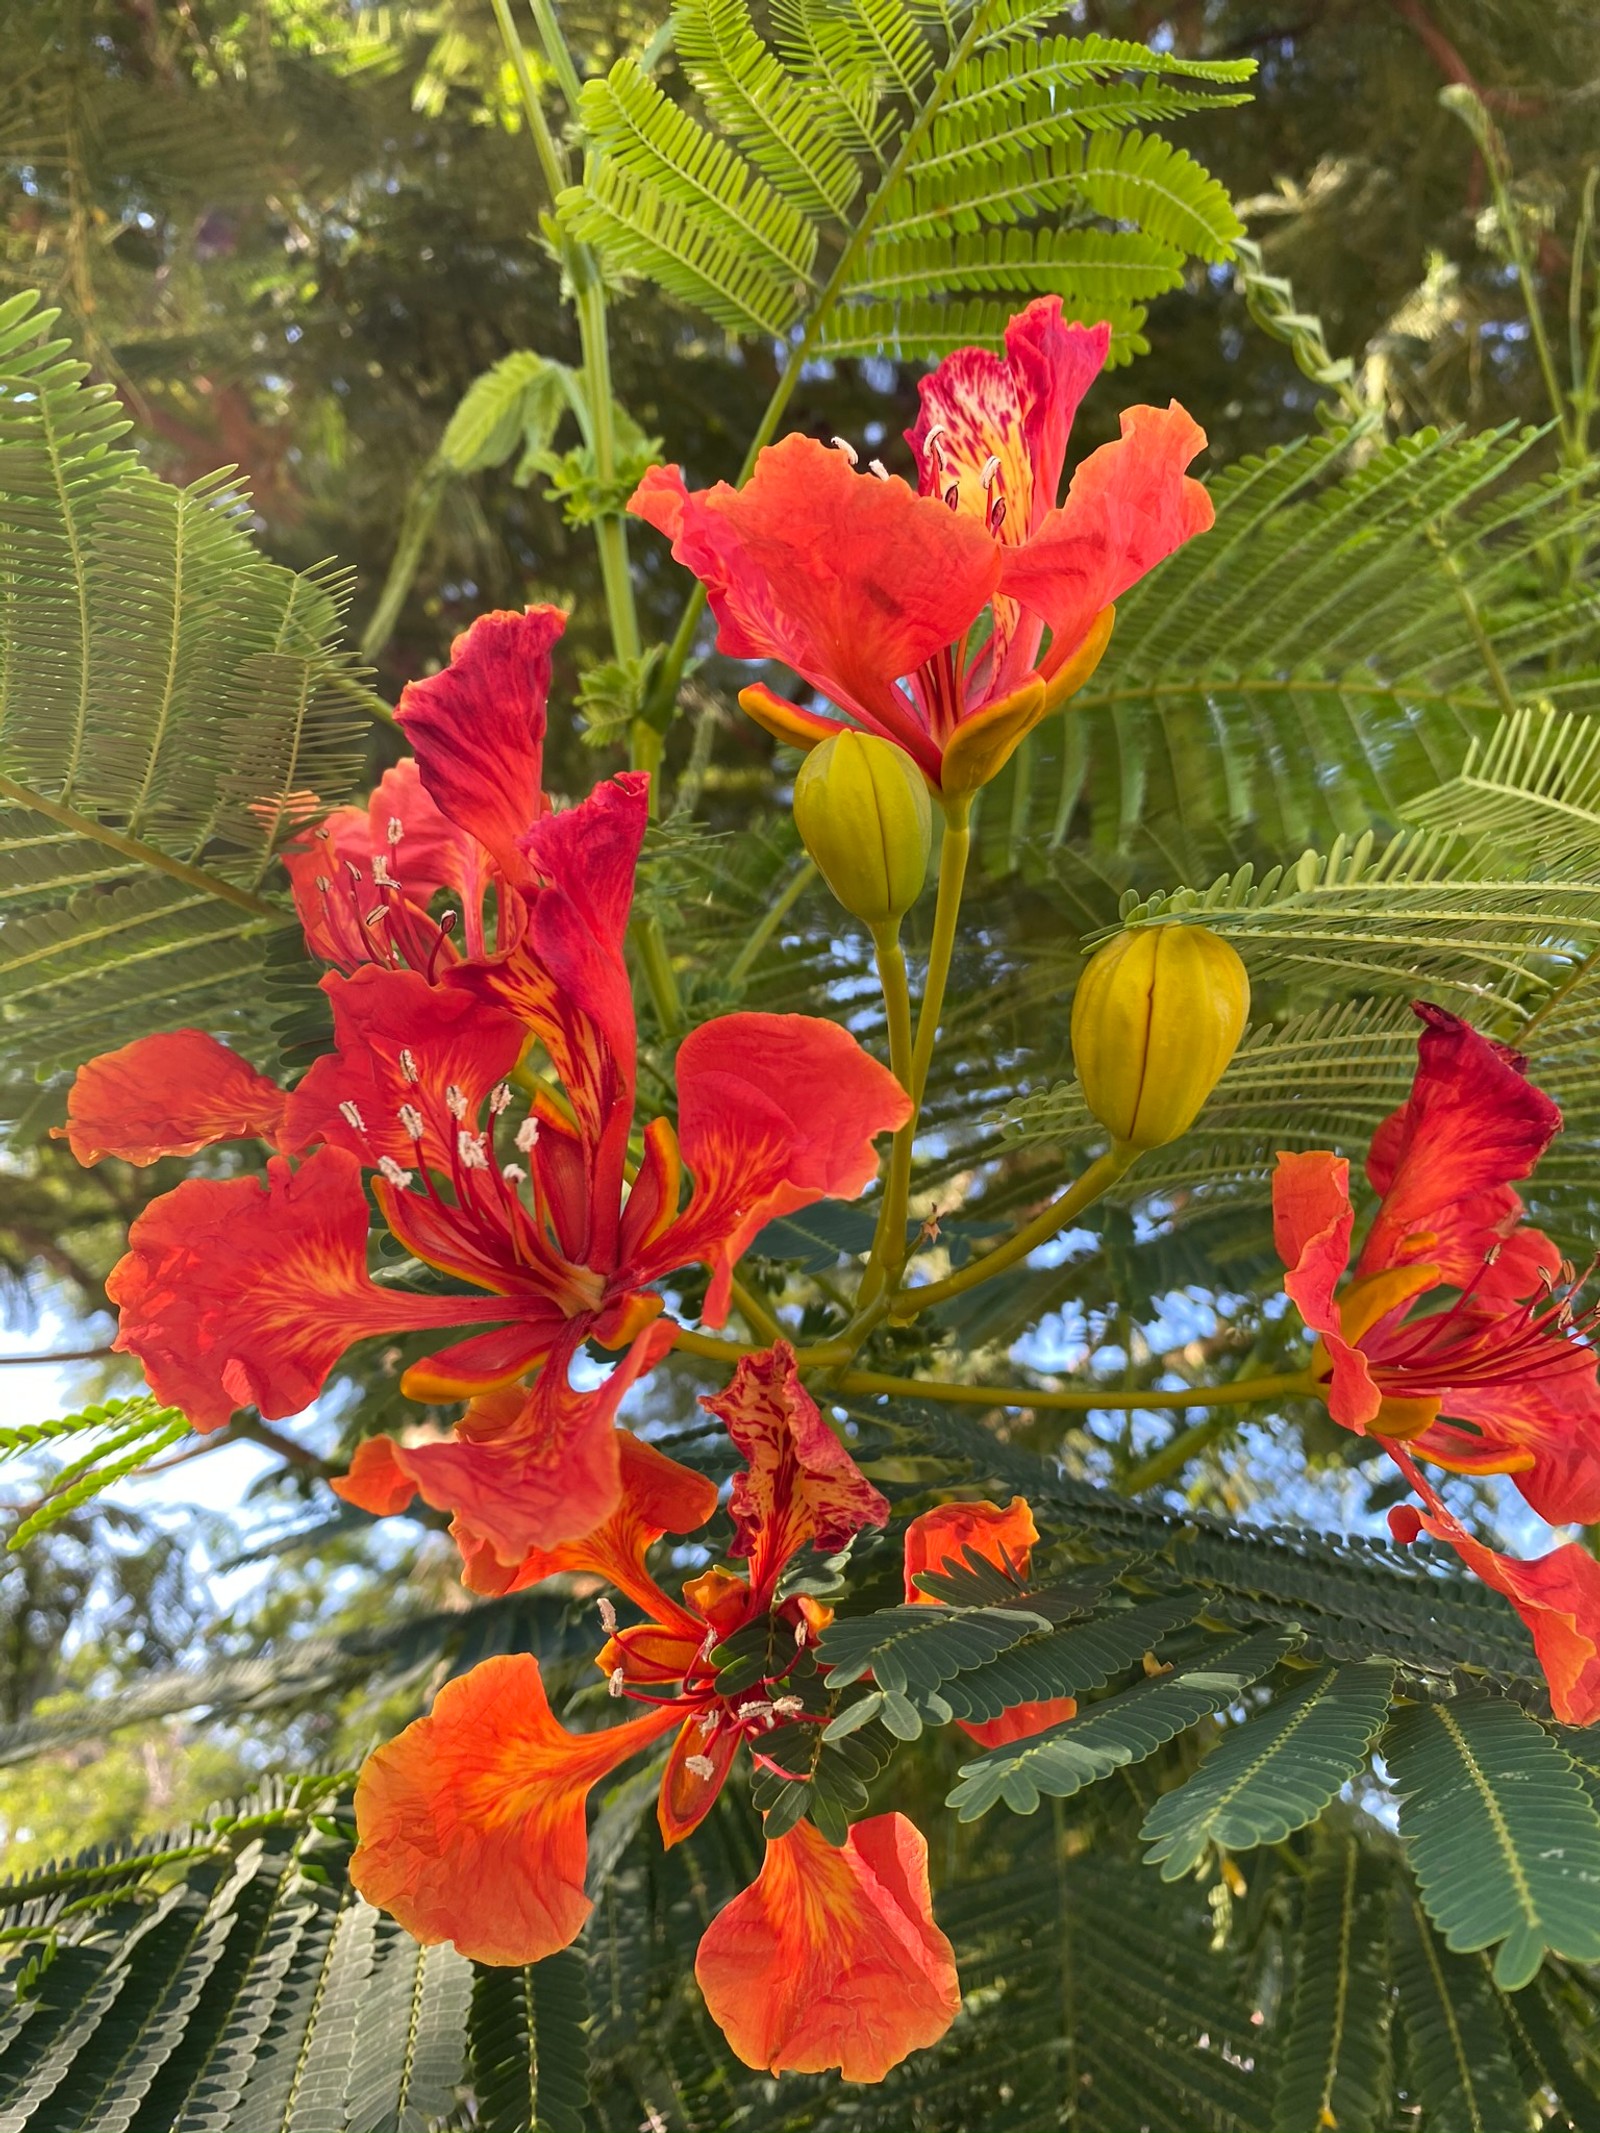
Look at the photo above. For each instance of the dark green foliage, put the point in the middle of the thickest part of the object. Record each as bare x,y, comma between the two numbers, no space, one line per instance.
1274,1774
1333,2065
1503,1838
1457,2055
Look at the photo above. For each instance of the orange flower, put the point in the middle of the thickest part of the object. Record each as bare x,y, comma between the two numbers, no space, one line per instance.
939,1540
831,1957
472,1821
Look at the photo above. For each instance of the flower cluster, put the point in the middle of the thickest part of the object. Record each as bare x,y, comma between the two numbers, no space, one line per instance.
1458,1340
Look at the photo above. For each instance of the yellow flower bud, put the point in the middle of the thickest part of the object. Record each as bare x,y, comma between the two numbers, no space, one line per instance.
1157,1016
861,805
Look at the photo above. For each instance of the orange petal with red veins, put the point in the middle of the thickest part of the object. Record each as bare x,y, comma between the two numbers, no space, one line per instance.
775,1112
1312,1220
799,1483
169,1095
478,729
472,1821
831,1957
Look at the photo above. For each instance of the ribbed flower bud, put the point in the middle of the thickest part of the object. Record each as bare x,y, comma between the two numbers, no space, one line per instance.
1157,1016
862,808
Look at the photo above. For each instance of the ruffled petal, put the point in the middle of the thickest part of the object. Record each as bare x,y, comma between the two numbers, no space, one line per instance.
1444,1162
1312,1221
1557,1596
831,1957
241,1292
521,1478
799,1483
169,1095
478,729
774,1112
851,581
471,1822
450,1040
1130,505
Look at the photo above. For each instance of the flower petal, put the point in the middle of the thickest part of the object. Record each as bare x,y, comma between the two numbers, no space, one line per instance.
334,872
774,1112
851,581
799,1483
1557,1596
1004,1538
1543,1429
471,1822
241,1292
1130,505
687,1795
1312,1220
526,1476
452,1040
1444,1161
168,1095
478,729
831,1957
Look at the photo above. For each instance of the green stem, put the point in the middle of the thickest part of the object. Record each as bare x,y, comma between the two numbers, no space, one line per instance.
1170,1458
771,919
954,851
555,46
761,1321
888,1240
555,175
1084,1400
1474,621
1495,164
1100,1176
658,974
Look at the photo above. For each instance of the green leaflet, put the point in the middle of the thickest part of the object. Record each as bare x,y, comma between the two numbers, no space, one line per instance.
1275,1774
914,1649
1069,1663
1121,1731
1501,1835
1457,2055
1334,2069
530,2057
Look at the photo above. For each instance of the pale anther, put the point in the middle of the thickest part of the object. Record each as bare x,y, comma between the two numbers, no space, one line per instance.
843,444
701,1767
800,1635
528,1135
352,1117
708,1722
608,1616
876,466
787,1706
930,443
473,1149
499,1098
408,1064
381,877
375,917
513,1173
411,1120
615,1681
393,832
323,884
991,467
393,1171
455,1100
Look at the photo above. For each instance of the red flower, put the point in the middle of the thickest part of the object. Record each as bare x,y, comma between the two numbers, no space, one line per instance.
871,593
233,1294
831,1957
472,1821
1501,1356
943,1537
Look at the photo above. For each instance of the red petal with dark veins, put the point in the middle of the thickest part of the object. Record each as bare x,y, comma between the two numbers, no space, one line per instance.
168,1095
799,1483
478,729
1312,1221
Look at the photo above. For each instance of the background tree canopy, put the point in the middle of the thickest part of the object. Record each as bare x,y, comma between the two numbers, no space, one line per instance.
333,249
